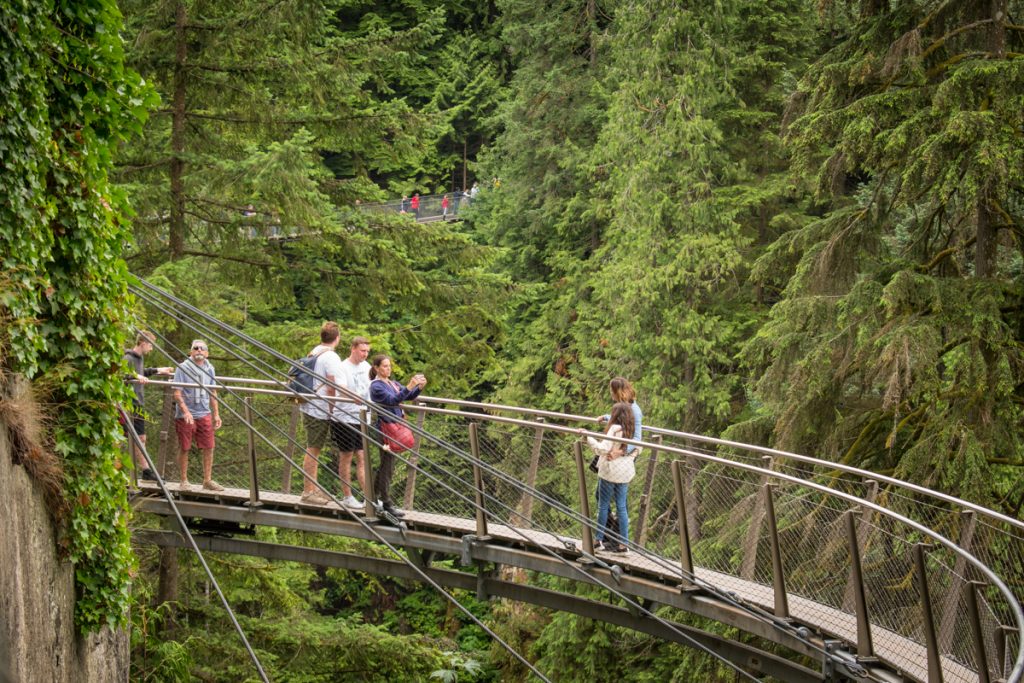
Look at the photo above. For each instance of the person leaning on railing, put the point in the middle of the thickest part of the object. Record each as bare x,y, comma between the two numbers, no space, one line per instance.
615,469
139,377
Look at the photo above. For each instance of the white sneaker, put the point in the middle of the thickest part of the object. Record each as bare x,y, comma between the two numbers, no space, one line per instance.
351,502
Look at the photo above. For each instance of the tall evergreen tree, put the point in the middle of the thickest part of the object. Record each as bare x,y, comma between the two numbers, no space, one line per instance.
251,93
277,118
535,202
896,345
648,242
668,303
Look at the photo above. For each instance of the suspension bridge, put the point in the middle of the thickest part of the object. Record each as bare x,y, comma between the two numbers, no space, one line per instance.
842,574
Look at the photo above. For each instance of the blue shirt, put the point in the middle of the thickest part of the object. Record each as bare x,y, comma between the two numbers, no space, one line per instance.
638,418
197,400
387,394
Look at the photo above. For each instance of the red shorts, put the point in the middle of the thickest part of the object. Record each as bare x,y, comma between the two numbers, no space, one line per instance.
201,428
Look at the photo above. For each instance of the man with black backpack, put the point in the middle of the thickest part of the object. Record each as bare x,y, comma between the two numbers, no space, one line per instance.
317,413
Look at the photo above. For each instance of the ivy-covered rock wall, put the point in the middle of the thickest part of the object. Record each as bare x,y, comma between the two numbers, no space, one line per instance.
68,101
37,594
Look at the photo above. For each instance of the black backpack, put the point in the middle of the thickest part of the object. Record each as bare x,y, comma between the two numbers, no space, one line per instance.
301,379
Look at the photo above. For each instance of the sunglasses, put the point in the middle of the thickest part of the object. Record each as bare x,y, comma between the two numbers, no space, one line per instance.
197,347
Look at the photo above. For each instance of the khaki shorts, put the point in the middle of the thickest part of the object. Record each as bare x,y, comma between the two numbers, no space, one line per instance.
318,432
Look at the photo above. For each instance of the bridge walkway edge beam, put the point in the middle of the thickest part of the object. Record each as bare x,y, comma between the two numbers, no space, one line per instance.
699,603
741,654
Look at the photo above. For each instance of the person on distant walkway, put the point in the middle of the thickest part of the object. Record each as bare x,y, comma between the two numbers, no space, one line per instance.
317,414
473,190
623,391
354,375
405,203
415,203
389,394
615,470
444,207
196,414
139,377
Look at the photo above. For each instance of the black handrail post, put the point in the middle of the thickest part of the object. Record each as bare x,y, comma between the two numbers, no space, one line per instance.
525,512
980,658
254,484
778,578
645,498
930,637
753,539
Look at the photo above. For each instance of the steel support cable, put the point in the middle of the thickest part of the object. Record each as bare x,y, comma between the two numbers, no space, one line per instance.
369,528
725,596
1014,605
693,643
130,427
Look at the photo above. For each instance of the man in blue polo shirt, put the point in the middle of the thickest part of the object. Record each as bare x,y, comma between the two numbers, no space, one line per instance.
196,414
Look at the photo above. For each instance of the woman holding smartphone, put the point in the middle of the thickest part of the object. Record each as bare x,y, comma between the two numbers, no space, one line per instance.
388,395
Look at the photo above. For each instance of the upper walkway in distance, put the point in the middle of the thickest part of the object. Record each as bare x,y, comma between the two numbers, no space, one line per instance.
430,207
872,577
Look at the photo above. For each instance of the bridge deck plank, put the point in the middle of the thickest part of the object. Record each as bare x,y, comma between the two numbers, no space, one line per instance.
903,653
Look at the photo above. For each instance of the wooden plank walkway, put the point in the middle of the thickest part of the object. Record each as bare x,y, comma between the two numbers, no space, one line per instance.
904,654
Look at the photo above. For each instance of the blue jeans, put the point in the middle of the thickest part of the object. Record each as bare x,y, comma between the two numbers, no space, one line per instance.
606,490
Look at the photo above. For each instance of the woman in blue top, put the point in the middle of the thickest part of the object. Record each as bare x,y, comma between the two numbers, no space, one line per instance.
622,391
387,394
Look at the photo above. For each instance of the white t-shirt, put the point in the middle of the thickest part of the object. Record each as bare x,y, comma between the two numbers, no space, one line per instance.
328,363
357,379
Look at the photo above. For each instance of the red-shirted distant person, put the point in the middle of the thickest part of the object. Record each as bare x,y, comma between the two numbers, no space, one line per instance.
415,203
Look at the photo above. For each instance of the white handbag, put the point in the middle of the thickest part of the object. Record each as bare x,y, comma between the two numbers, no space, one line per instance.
621,470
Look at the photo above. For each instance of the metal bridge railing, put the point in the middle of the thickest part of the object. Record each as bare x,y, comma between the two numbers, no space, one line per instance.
862,558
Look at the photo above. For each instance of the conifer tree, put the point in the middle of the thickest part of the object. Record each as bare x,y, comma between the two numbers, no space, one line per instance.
684,197
896,345
277,118
252,92
537,181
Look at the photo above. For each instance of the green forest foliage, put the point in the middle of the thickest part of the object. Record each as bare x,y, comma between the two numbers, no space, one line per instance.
793,222
896,345
275,123
68,101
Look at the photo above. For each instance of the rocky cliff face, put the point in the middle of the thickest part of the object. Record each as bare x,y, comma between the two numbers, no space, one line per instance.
38,638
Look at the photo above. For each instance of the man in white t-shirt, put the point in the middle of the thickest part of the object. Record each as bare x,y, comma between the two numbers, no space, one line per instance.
316,413
354,375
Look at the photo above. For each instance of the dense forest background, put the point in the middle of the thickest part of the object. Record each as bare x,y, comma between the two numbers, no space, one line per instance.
796,223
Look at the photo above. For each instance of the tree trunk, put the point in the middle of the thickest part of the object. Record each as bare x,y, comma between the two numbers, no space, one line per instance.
985,241
465,156
176,238
997,29
167,588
